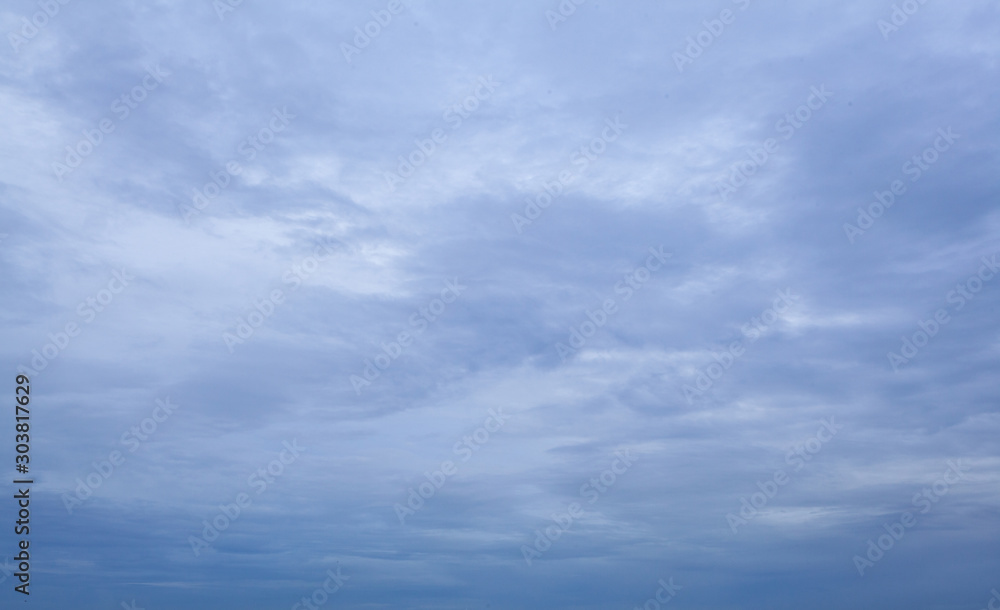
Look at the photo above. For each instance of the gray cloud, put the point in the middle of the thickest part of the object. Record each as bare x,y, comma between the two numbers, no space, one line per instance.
322,180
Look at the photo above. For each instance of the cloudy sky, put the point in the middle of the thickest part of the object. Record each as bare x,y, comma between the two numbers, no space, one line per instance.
468,305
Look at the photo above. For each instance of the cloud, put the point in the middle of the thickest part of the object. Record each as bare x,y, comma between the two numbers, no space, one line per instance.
274,197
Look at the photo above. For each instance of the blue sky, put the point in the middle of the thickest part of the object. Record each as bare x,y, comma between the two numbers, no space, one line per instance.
519,305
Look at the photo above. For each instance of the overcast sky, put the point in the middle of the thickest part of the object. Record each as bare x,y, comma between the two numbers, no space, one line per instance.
504,305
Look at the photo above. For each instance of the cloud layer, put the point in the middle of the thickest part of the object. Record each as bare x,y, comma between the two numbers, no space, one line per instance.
548,297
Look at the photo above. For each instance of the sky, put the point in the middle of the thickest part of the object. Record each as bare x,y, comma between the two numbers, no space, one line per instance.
534,304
